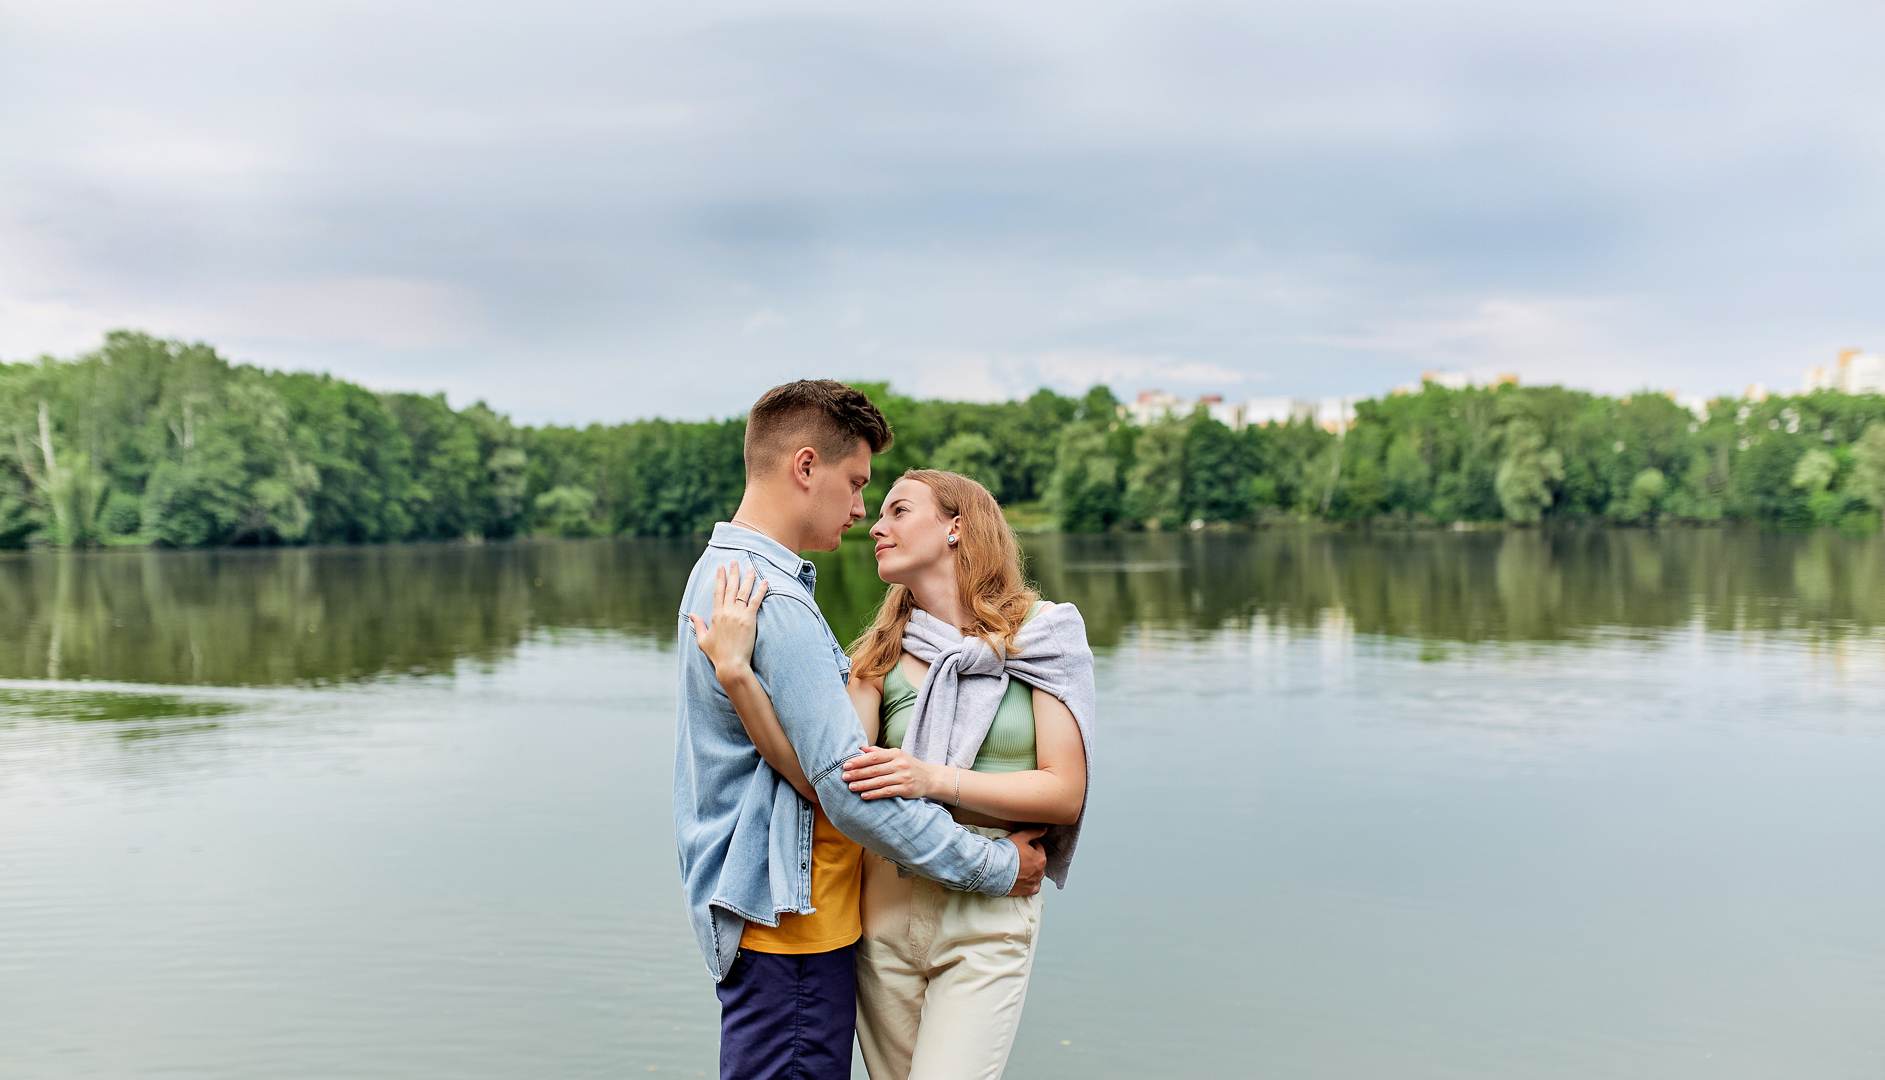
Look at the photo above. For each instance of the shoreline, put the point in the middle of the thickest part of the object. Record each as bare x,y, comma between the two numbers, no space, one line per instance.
1029,524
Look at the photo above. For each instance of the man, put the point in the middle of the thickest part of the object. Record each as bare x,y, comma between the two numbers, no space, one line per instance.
771,881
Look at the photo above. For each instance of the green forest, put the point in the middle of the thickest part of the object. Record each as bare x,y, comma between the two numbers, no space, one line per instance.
148,441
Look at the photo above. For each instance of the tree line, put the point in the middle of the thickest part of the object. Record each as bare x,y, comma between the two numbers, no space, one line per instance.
1489,454
167,443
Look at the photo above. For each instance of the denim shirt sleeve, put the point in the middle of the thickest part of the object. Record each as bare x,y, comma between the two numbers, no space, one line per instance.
797,660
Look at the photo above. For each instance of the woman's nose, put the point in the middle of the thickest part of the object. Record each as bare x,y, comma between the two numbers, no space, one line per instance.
877,530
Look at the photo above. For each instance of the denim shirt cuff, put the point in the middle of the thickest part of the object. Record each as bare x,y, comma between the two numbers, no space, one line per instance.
1002,881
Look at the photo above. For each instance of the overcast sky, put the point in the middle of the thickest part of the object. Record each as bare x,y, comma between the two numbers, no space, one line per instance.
597,211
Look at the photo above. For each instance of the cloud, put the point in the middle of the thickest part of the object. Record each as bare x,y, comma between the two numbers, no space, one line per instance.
386,313
764,319
47,327
1318,198
985,377
1583,342
965,377
1082,369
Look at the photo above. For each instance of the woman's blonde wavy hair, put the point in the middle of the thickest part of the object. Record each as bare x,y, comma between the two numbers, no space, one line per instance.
993,592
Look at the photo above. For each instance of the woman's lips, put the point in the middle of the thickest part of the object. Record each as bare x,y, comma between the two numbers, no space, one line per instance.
881,548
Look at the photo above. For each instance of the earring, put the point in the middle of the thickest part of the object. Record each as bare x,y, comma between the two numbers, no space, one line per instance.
952,538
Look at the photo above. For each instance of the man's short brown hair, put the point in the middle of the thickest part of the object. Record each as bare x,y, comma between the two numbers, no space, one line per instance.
823,414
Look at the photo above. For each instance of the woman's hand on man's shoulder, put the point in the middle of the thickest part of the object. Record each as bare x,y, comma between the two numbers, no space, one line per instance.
728,639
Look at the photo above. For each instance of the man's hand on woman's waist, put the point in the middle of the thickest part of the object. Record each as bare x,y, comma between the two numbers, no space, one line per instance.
1027,880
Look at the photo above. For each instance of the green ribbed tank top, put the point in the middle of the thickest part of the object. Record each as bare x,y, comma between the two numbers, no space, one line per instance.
1009,745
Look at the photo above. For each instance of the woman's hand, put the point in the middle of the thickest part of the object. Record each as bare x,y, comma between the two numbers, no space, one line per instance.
880,774
728,642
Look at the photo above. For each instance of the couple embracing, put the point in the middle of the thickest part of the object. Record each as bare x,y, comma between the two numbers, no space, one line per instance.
863,836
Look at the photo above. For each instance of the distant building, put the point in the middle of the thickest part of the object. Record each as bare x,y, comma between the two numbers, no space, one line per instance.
1455,380
1336,414
1756,392
1863,373
1264,411
1856,373
1153,406
1228,413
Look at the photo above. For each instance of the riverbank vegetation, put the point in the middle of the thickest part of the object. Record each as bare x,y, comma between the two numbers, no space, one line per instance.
160,442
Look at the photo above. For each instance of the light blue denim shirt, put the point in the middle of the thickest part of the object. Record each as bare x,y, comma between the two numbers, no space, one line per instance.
745,836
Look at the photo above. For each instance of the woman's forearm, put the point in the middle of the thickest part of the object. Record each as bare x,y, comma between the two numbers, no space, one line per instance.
1035,795
749,699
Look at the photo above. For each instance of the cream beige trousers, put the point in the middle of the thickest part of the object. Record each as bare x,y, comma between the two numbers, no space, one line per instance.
941,976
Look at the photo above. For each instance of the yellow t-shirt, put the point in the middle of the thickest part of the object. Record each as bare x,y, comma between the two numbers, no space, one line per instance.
837,878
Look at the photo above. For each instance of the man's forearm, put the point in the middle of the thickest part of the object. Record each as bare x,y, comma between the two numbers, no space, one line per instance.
923,837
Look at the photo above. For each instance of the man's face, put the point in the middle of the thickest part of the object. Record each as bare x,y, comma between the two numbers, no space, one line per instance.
837,498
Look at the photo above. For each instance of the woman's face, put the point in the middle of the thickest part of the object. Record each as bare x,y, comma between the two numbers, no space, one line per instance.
912,534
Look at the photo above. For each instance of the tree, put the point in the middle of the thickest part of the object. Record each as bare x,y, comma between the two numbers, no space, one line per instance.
1814,474
17,521
1527,471
1284,459
1085,487
170,443
973,456
1815,471
1217,472
451,493
1645,495
1408,479
567,511
1155,483
1867,481
1099,406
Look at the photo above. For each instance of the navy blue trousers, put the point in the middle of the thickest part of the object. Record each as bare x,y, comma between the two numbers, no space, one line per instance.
789,1017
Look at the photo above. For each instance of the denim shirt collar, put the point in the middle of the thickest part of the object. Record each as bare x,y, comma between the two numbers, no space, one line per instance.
739,537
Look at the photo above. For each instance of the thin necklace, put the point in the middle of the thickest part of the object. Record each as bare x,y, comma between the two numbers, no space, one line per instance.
749,525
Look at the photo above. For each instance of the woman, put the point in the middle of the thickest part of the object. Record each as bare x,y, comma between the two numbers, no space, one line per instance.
982,698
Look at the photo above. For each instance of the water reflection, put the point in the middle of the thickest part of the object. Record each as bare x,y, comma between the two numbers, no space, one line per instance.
323,615
106,706
1512,586
1448,868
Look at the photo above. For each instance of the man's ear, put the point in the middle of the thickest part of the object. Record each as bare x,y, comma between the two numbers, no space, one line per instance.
802,463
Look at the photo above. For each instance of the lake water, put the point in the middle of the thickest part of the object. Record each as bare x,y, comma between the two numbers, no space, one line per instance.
1599,803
